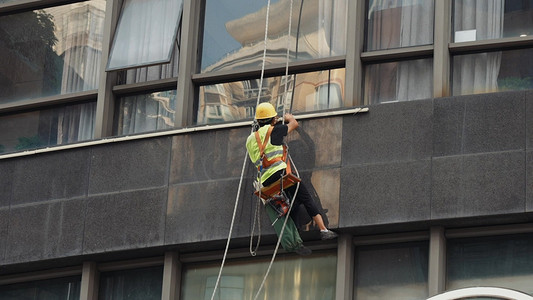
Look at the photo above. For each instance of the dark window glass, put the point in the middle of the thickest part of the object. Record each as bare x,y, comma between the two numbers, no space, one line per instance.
303,92
234,32
146,112
482,20
47,127
392,272
138,284
399,81
503,261
52,289
291,277
51,51
492,72
396,24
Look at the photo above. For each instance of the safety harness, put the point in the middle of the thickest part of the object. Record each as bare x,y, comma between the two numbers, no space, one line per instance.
274,194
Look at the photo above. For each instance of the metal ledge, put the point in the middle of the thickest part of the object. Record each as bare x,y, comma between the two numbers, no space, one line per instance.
491,45
48,101
274,70
397,54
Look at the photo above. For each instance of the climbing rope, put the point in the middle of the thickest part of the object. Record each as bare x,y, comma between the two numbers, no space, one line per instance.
245,157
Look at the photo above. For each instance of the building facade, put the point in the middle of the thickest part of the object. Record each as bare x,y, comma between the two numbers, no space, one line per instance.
122,158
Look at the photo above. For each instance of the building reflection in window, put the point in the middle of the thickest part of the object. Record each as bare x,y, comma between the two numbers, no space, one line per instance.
492,72
396,24
234,32
291,277
299,93
482,20
145,113
47,127
398,81
51,51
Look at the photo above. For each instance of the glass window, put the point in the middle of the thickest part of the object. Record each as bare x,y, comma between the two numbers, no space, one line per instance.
51,51
138,284
47,127
300,93
482,20
392,272
67,288
492,72
146,112
503,261
291,277
234,32
395,24
399,81
146,33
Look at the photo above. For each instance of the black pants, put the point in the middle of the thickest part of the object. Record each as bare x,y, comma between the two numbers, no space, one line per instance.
303,197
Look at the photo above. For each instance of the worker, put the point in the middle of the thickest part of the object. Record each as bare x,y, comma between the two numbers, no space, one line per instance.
266,117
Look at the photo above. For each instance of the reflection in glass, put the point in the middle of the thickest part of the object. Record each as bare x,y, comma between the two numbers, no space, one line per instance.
138,284
47,127
59,288
481,20
234,32
51,51
503,261
147,112
146,33
291,277
399,81
392,272
492,72
395,24
299,93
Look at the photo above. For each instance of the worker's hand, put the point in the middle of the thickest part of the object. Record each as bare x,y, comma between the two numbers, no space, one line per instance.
291,122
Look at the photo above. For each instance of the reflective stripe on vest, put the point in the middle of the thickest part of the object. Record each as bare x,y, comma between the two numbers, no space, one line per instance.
272,153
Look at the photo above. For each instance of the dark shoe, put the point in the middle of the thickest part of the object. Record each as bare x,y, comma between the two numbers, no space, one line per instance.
328,235
303,250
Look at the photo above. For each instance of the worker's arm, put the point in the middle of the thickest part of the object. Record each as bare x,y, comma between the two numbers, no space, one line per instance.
291,122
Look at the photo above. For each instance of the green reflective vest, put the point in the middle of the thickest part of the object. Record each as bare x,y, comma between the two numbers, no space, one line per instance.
270,152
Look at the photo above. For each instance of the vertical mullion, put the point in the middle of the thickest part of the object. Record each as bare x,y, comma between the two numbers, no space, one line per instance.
89,281
189,43
171,277
441,55
437,261
354,48
105,103
345,267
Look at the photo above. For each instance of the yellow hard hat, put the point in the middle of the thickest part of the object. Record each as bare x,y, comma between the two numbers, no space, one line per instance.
265,110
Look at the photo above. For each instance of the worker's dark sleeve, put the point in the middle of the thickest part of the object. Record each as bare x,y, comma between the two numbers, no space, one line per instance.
278,133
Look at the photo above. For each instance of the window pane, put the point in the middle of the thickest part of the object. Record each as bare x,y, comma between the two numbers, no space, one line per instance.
138,284
47,127
146,33
150,73
51,51
291,277
305,92
482,20
503,261
56,289
492,72
234,32
392,272
147,112
395,24
399,81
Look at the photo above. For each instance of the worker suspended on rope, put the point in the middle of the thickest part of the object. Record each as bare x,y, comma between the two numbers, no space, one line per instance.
272,165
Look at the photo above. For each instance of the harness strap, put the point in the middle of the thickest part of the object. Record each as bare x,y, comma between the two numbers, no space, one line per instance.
266,163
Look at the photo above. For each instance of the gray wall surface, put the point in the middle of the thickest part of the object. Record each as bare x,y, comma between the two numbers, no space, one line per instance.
427,161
